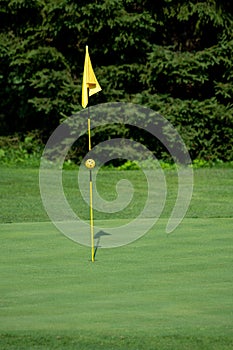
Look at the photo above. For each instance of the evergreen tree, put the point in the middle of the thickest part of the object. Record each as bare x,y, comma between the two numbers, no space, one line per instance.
171,55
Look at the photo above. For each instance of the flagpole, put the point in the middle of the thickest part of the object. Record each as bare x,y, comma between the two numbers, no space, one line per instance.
89,127
90,86
92,221
91,188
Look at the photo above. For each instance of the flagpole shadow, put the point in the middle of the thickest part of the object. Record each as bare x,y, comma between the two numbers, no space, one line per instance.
98,236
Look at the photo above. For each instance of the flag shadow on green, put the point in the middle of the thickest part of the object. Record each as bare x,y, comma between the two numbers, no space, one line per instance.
98,236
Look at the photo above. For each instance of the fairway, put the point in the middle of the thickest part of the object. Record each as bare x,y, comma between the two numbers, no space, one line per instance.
160,292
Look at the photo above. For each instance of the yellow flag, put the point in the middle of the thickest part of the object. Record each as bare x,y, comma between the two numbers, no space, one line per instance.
90,82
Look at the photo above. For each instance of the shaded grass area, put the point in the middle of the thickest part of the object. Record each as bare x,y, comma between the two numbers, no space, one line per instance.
173,342
20,194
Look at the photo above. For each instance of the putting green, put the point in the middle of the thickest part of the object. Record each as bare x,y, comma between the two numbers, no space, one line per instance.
177,284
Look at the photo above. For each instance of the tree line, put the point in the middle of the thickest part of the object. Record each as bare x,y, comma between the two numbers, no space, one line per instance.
173,56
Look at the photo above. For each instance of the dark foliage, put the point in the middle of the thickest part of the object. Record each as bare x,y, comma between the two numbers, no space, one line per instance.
173,56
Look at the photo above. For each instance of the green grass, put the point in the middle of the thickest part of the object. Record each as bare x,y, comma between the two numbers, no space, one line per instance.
20,194
160,292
